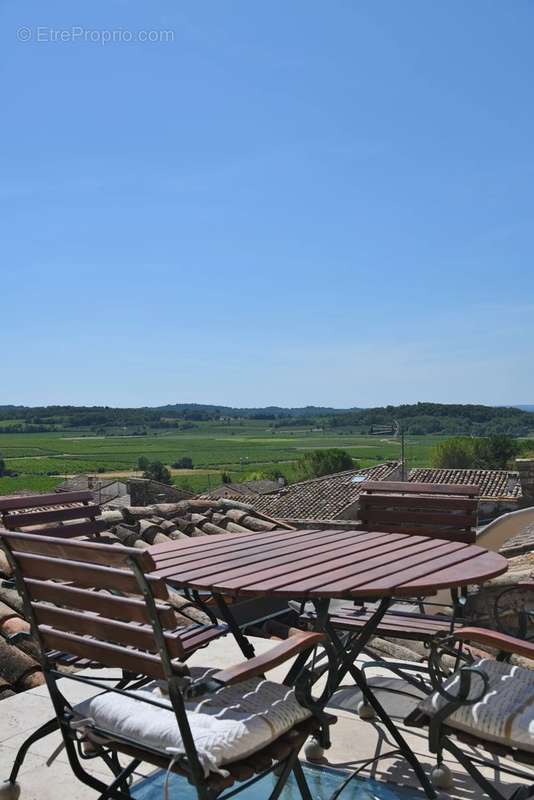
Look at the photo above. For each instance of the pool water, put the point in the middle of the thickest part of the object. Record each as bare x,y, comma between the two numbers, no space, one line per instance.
322,781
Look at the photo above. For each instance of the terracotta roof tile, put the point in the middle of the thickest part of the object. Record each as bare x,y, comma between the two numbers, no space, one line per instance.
320,498
245,488
493,483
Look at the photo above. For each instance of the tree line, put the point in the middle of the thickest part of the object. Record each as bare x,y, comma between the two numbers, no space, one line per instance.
414,419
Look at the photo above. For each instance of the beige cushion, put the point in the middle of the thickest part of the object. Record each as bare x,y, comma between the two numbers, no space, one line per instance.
227,725
505,714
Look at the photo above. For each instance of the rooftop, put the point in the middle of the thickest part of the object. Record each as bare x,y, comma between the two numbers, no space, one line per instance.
494,483
244,488
196,517
327,497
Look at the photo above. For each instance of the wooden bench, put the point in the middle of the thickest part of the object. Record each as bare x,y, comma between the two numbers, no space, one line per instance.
441,511
60,514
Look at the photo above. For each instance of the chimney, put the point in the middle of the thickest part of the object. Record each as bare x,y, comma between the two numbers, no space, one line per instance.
525,467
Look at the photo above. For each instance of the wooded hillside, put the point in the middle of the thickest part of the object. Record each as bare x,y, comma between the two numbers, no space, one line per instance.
415,419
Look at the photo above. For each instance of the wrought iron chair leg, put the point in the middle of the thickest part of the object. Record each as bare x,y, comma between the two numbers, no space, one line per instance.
403,745
107,792
302,783
118,771
441,775
121,780
287,768
41,732
486,786
46,729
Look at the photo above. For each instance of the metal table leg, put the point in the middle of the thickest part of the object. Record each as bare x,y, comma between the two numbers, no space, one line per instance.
347,666
244,645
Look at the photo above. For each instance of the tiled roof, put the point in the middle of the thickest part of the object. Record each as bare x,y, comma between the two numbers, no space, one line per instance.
493,483
200,517
244,488
320,498
522,542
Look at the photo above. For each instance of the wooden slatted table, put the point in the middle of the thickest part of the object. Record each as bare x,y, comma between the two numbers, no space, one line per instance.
323,564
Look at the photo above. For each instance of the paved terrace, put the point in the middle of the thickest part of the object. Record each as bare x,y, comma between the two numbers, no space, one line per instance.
354,741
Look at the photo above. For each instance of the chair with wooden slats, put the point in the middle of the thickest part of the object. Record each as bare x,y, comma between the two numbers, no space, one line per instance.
66,588
61,514
69,515
64,514
440,511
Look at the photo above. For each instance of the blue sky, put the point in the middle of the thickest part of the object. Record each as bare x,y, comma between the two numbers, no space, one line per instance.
276,203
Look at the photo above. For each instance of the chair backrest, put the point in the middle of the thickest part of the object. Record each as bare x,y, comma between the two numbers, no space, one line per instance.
442,511
63,514
70,589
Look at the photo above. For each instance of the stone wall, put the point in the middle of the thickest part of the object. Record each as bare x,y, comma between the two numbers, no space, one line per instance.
144,492
489,510
481,606
525,467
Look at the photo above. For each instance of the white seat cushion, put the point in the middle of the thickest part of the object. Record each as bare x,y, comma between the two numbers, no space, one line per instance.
505,714
227,725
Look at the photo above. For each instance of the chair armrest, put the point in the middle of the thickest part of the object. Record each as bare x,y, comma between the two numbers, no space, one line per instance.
500,641
296,642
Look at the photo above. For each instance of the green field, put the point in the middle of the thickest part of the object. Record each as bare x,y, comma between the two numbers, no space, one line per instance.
239,447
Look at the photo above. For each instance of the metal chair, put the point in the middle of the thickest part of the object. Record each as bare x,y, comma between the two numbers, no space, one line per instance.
193,636
486,703
438,511
65,587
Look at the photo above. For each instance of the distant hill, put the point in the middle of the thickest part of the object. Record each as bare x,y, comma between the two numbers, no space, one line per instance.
228,411
415,419
441,418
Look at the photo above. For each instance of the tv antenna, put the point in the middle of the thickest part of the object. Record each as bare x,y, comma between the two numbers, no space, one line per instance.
394,429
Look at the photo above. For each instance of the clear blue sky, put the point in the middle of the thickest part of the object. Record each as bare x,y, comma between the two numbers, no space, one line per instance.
284,203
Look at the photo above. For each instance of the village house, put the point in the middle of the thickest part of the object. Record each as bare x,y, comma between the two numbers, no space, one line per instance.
335,497
326,498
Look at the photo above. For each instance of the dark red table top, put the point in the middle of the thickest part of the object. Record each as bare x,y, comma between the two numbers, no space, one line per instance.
323,563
